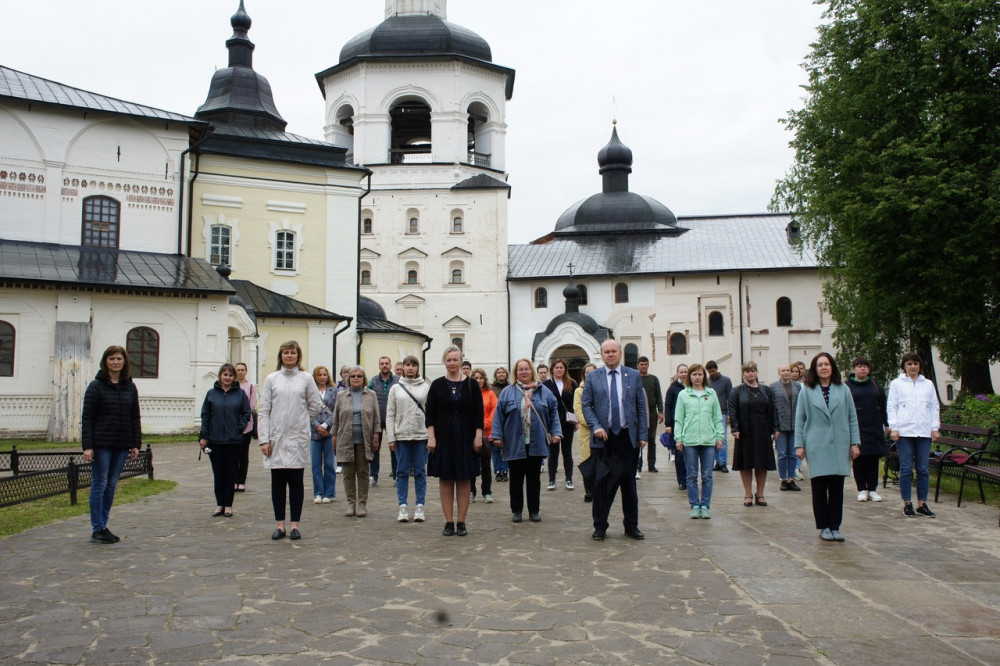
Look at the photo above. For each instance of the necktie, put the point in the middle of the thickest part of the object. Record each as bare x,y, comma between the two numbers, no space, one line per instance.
616,419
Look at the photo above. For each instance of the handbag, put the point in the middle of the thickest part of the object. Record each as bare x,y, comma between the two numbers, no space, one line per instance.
548,437
253,433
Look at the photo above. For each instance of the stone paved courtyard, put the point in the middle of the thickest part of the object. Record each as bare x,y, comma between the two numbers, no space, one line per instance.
751,586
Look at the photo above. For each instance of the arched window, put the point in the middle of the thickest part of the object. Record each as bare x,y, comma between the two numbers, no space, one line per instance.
7,339
459,341
366,225
621,293
219,245
101,217
411,132
583,293
414,226
366,277
480,138
412,277
678,344
541,298
456,276
284,251
143,346
784,308
631,356
716,325
457,225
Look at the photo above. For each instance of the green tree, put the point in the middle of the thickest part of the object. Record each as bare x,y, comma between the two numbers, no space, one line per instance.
896,180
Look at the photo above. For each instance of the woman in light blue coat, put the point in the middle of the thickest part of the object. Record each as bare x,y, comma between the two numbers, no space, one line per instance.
698,433
525,412
827,437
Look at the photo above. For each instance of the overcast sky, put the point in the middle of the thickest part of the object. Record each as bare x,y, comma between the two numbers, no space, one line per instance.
697,86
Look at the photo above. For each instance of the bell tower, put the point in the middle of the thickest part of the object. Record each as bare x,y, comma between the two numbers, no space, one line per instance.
419,101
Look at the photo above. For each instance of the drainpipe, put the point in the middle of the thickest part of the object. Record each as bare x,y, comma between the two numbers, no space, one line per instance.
357,276
335,334
423,357
180,194
740,300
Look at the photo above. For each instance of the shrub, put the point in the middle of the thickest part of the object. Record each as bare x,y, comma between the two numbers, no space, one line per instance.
973,410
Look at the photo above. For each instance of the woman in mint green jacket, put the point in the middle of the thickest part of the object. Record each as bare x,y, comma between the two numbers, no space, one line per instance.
698,433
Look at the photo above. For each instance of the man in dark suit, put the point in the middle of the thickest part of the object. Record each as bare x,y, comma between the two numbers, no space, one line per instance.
614,406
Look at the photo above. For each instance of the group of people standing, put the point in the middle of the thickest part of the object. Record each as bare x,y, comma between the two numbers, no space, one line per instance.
451,428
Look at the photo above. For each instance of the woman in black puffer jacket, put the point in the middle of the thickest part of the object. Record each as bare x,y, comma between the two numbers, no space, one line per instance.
224,416
111,435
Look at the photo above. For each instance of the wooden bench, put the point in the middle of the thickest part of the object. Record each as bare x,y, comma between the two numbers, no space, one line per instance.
982,465
953,449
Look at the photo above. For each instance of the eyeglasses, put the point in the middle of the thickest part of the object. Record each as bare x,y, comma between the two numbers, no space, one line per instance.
357,376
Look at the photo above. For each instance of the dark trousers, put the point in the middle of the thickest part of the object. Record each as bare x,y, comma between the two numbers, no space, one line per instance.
681,467
292,478
485,456
373,467
525,471
866,472
243,460
828,501
224,458
566,446
619,453
651,442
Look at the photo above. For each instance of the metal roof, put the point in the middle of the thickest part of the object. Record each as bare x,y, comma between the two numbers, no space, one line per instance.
710,244
370,325
271,144
18,85
267,303
77,266
481,181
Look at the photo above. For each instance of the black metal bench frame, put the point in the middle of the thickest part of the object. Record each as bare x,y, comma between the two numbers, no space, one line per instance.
982,465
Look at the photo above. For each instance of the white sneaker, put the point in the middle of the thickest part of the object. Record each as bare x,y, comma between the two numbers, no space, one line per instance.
404,517
418,515
874,496
799,477
863,496
638,476
327,500
318,499
339,469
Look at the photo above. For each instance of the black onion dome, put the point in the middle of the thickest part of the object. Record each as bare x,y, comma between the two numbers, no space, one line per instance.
615,209
238,95
416,35
369,309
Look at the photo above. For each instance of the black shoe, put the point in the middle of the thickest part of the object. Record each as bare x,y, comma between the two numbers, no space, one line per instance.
107,532
515,518
218,514
908,510
723,469
295,535
793,486
925,511
278,534
784,486
587,498
102,536
598,535
653,470
461,531
473,494
682,486
635,533
449,529
717,468
534,517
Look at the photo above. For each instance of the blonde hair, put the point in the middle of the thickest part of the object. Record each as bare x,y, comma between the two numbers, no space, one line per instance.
449,349
534,377
291,344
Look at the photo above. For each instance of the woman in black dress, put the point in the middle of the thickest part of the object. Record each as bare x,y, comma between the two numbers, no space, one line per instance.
753,418
454,436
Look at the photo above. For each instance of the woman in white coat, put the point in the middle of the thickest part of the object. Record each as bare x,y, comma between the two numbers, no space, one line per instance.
289,400
914,422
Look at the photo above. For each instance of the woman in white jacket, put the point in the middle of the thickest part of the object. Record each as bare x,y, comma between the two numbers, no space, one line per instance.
914,421
406,432
289,399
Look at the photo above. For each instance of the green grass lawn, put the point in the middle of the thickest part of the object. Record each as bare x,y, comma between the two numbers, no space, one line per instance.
17,518
42,445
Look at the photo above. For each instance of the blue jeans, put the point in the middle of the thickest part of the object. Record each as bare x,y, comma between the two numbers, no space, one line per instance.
914,451
411,460
785,444
722,455
105,469
324,467
704,456
499,464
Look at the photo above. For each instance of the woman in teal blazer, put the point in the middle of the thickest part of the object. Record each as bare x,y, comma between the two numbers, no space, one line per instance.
826,436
